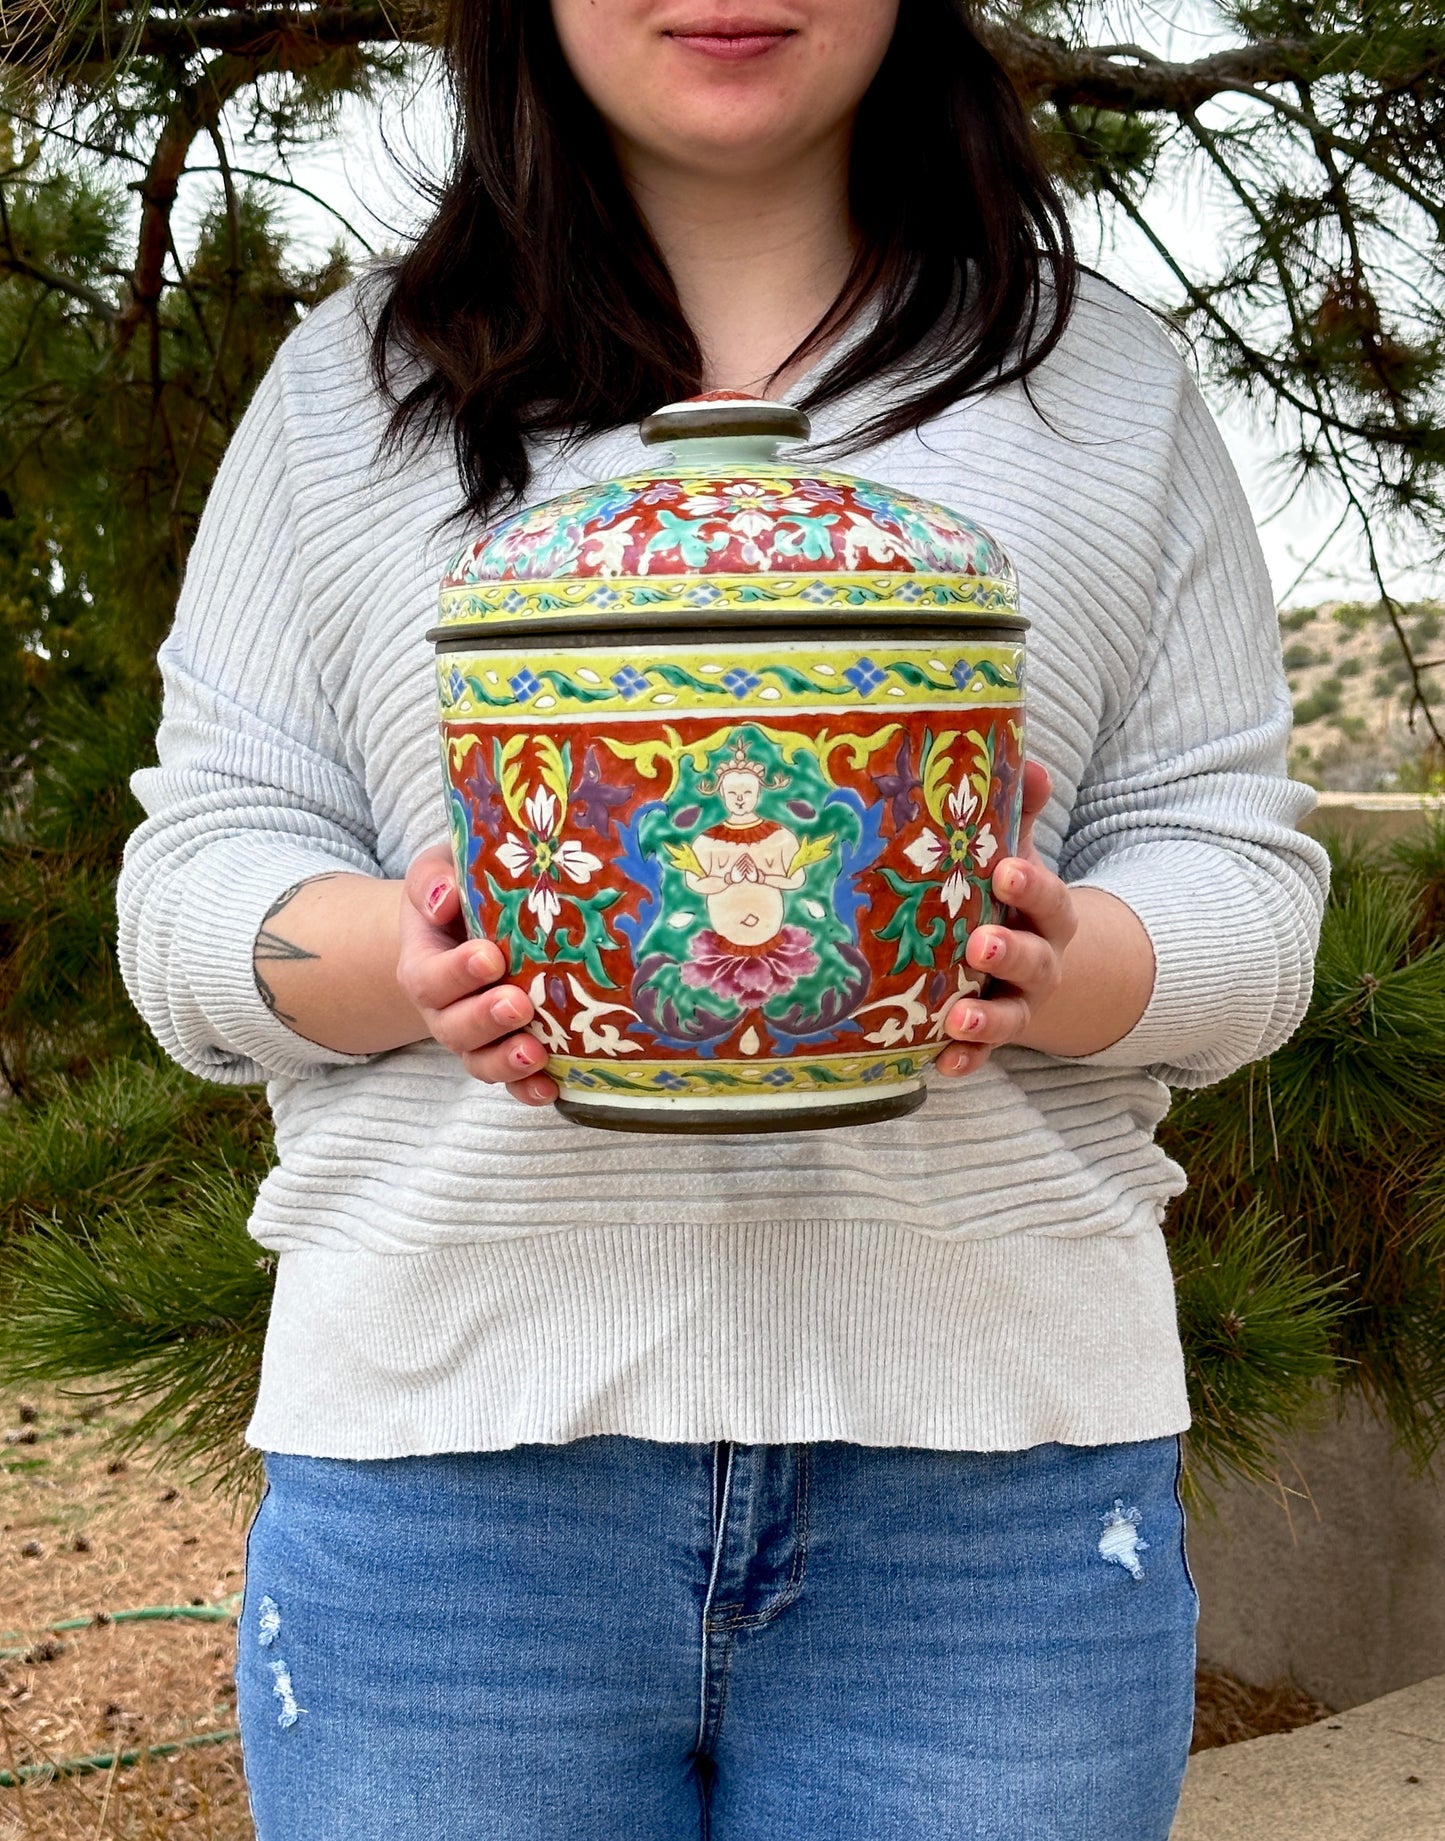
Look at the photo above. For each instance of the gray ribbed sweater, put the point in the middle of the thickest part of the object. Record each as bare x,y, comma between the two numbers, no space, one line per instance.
460,1272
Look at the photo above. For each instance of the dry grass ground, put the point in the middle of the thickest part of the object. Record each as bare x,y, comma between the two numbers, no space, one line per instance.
79,1536
1227,1711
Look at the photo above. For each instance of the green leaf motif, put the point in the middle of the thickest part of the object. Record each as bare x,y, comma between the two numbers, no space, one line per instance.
511,935
916,945
596,939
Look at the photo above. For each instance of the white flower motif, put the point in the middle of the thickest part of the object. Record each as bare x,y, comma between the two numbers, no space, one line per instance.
926,851
606,550
962,803
541,810
962,849
724,497
866,542
544,904
545,857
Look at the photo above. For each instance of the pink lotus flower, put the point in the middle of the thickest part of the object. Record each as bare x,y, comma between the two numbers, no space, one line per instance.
965,846
749,978
546,857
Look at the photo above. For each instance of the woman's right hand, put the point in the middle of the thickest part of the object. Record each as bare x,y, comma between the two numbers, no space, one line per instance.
452,981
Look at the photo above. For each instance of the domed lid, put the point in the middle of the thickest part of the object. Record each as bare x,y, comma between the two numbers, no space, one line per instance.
731,527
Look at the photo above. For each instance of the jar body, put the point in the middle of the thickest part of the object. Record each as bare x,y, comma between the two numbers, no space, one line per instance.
735,869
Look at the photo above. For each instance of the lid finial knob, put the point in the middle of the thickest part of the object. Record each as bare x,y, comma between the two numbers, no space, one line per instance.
723,412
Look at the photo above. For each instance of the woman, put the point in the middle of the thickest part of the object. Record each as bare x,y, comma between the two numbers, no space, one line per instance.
816,1485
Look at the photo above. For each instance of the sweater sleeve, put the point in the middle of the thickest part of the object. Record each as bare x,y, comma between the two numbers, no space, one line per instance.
252,793
1187,812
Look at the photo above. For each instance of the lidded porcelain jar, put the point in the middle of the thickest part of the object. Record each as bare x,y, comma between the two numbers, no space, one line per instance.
730,749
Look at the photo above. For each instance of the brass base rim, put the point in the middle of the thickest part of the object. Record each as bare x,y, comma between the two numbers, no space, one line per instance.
713,1122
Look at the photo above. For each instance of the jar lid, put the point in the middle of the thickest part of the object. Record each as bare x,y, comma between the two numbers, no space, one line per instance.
727,532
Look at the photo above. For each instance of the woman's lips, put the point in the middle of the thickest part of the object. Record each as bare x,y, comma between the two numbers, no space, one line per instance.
733,43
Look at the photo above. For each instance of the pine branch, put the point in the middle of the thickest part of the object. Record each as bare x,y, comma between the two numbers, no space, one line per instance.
1132,80
96,39
1127,78
12,262
197,110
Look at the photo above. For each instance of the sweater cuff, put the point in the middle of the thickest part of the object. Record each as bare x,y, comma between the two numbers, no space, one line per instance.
222,1020
1218,960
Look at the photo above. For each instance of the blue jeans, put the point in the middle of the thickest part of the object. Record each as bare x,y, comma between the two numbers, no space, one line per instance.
616,1640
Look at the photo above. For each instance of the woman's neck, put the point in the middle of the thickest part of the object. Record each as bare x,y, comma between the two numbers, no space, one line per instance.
756,261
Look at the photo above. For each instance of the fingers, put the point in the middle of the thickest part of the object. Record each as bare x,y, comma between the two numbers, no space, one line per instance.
434,972
1036,896
540,1090
433,968
957,1059
1026,960
489,1036
477,1022
508,1062
1037,787
454,986
431,886
988,1022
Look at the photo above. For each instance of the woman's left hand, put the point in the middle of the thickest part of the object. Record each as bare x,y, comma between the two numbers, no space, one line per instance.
1024,958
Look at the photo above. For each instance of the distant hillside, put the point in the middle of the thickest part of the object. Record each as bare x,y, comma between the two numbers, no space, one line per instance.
1351,691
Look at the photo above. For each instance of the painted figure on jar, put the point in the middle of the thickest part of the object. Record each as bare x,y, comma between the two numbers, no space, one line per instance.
742,868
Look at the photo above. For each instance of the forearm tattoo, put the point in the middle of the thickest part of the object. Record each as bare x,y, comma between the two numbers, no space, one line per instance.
273,948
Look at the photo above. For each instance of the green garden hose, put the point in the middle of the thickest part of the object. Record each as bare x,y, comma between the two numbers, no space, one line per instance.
224,1612
104,1761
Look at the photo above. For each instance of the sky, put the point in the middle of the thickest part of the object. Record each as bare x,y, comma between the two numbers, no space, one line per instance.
365,173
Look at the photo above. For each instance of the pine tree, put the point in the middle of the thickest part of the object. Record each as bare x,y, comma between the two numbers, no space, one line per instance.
1308,1252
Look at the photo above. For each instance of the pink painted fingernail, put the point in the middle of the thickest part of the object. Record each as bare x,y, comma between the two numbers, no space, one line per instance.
437,895
523,1054
508,1011
992,949
973,1021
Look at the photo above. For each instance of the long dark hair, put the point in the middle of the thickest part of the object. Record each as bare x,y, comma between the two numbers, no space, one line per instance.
535,302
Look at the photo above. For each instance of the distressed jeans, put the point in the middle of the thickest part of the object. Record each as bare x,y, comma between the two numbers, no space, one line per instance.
617,1640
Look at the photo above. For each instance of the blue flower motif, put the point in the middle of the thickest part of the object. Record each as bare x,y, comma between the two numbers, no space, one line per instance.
456,685
864,676
962,673
629,682
909,592
819,593
673,1082
605,597
740,682
876,1072
703,594
514,602
525,685
777,1077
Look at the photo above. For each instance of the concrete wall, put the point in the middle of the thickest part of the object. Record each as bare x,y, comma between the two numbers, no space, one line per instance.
1346,1591
1374,818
